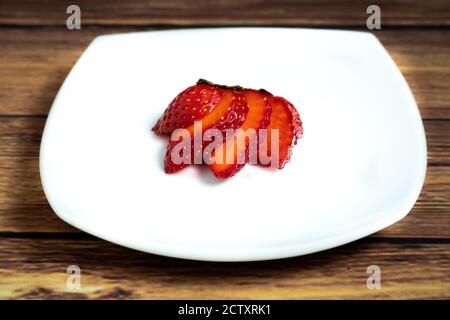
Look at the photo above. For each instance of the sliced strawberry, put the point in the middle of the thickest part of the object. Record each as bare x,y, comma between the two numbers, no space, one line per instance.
229,112
191,105
231,156
286,119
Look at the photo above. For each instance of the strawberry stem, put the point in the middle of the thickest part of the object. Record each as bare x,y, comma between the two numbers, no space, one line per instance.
222,86
203,81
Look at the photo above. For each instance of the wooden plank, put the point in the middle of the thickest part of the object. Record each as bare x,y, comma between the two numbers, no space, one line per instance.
226,12
36,61
438,142
23,207
36,269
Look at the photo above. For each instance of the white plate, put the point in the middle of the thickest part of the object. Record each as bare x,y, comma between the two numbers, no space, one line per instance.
359,168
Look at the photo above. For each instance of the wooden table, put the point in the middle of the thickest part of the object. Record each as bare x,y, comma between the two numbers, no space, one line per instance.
37,52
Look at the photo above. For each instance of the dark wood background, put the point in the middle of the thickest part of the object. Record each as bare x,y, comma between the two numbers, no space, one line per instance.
36,53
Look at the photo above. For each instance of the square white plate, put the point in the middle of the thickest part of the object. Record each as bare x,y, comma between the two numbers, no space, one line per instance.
359,168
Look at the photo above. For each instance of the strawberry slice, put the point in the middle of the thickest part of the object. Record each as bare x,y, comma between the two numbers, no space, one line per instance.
231,156
229,112
191,105
286,119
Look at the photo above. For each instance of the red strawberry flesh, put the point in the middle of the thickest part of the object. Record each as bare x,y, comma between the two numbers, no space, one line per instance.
227,156
230,112
191,105
286,119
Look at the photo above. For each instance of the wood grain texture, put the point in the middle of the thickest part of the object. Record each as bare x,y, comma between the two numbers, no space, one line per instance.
35,62
23,207
226,12
36,269
36,247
